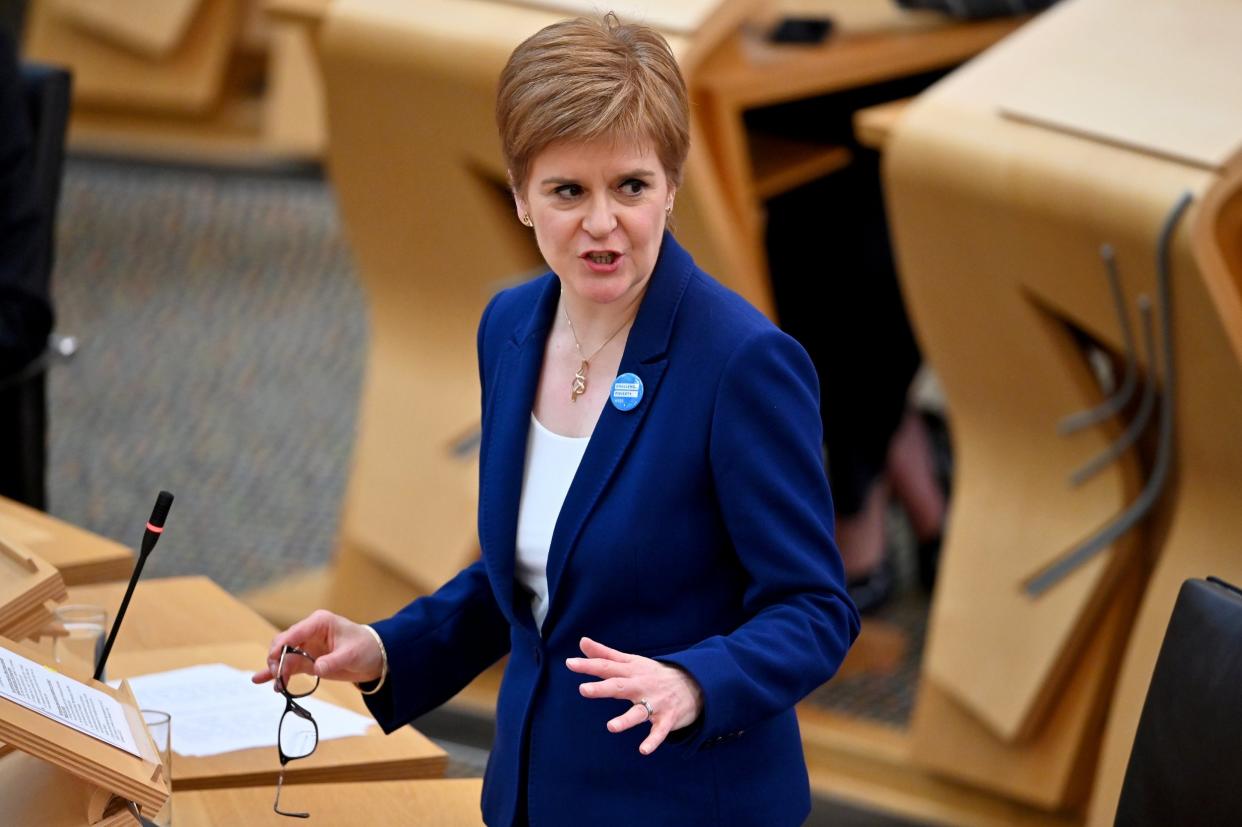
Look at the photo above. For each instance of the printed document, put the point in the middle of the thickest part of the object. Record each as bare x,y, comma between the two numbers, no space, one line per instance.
215,709
51,694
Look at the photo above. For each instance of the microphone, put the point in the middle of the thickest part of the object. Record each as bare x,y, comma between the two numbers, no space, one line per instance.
155,527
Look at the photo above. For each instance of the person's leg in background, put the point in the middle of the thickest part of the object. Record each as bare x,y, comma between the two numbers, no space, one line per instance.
916,482
837,292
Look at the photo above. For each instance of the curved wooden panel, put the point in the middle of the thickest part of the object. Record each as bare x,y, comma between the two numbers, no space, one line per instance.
998,221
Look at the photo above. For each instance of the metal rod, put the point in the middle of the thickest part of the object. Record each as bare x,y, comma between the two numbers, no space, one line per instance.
1113,404
1146,405
1054,573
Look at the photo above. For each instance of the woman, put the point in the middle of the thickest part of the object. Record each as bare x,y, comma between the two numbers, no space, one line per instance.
658,559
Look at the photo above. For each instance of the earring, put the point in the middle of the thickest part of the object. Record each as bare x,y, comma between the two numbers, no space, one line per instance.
668,211
526,220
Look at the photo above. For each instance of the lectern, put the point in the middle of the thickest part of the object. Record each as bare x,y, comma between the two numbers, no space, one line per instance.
28,587
61,763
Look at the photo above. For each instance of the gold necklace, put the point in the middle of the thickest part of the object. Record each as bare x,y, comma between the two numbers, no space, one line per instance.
580,378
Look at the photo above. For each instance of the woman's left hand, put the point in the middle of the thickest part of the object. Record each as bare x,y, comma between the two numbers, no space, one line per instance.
675,698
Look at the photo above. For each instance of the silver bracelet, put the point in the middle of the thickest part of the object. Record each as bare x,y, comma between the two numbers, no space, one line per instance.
383,669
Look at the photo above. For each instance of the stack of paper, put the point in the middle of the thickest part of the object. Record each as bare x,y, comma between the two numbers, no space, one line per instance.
216,709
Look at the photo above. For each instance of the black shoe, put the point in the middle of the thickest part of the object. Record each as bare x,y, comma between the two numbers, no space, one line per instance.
872,591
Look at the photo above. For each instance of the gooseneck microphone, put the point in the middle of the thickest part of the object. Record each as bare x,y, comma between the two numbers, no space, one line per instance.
155,527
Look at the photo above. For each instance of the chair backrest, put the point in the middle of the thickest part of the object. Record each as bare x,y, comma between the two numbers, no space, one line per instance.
1186,762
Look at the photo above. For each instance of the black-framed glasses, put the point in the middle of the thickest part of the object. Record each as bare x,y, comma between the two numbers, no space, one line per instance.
298,734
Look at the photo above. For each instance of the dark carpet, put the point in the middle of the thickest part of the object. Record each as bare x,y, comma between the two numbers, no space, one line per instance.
222,334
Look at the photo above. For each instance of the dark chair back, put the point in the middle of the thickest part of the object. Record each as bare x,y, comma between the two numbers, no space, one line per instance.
1186,765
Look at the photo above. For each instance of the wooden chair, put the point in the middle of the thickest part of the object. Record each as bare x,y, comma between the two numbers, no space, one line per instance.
1003,182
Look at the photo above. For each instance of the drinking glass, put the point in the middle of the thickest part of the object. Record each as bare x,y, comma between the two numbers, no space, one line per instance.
86,629
159,724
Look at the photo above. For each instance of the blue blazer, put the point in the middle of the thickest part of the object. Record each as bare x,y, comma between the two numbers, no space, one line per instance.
697,531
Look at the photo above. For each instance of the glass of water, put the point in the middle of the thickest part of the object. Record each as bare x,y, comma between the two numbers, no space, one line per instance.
86,629
159,724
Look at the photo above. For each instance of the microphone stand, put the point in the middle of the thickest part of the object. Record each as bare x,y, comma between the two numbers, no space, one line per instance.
155,527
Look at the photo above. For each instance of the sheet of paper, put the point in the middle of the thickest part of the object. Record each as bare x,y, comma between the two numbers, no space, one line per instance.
215,709
65,700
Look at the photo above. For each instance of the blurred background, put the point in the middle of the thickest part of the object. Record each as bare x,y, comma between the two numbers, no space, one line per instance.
265,276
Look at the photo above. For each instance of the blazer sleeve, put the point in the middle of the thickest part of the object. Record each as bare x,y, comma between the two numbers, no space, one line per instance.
439,643
766,458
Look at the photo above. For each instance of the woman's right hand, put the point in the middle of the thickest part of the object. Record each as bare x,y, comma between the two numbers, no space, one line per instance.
343,650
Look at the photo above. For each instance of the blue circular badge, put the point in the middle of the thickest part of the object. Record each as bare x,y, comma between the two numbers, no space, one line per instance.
627,392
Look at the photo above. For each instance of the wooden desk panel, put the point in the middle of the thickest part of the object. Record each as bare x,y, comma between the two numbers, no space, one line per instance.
867,47
873,125
180,621
81,556
187,81
444,803
176,611
996,224
35,793
404,754
753,72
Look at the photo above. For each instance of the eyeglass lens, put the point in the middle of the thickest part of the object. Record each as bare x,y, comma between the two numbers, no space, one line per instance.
298,735
295,674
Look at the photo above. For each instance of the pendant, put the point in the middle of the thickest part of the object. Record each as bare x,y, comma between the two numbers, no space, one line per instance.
579,381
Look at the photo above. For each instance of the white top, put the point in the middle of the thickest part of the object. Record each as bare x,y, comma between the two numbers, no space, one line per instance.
551,462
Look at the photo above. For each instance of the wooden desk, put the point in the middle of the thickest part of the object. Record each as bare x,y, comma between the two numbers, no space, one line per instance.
870,44
372,757
443,803
181,621
874,125
81,557
1002,185
36,794
176,611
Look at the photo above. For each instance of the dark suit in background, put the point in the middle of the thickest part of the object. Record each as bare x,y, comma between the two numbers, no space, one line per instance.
25,304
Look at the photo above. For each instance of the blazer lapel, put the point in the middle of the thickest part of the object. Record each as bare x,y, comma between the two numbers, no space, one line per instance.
507,425
646,355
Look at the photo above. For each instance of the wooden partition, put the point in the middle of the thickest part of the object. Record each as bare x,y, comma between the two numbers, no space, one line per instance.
217,81
1005,183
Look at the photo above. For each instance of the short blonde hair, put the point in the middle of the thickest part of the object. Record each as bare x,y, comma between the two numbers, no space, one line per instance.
585,79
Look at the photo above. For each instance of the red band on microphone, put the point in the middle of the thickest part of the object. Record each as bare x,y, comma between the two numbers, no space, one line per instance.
155,529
